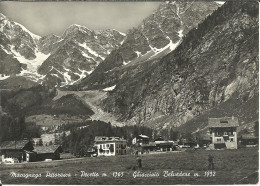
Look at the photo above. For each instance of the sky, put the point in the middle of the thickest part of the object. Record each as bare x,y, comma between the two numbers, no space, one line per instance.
44,18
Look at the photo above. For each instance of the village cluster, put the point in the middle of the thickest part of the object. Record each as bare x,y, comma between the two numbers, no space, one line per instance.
222,134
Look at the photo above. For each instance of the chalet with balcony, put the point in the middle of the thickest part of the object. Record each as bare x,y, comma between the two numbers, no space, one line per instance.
223,132
140,140
110,146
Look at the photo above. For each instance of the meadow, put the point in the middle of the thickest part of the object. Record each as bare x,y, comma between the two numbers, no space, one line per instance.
231,167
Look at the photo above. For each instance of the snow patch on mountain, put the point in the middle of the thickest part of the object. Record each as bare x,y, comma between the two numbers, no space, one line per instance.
86,55
180,32
173,46
6,51
67,78
55,75
79,27
170,47
32,65
82,75
138,53
84,45
124,63
123,34
109,88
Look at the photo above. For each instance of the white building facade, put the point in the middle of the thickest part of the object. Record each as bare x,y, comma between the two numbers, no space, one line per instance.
223,132
110,146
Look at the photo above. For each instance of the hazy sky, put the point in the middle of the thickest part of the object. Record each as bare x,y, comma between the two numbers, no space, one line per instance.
45,18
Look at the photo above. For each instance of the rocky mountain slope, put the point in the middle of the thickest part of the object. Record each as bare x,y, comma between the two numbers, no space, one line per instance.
215,63
77,53
158,76
17,82
17,46
56,60
157,35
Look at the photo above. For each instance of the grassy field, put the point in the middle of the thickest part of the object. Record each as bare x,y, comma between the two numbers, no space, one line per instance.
231,166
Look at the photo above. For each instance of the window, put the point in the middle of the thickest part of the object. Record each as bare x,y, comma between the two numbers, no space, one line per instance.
223,121
225,133
218,139
217,133
232,133
111,148
231,139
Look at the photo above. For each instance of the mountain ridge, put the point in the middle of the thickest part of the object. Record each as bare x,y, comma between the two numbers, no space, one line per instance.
158,34
26,54
213,63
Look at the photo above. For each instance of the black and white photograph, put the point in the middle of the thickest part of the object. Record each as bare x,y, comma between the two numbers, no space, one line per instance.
129,92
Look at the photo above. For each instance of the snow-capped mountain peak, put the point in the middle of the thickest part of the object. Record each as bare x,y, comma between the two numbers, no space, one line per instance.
75,54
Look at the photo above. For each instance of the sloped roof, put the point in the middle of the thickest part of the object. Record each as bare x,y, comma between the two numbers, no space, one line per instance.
143,136
206,137
224,122
108,139
47,149
159,139
13,144
150,144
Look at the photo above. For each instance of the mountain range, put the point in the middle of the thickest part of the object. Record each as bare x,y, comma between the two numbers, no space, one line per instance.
156,36
69,58
188,61
216,63
55,60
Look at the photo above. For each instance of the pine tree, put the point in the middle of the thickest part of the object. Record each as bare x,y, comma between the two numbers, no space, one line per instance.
174,134
135,131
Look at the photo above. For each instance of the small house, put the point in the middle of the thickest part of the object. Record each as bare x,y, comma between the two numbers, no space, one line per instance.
42,153
249,140
141,139
15,151
151,146
160,138
163,145
205,141
110,146
223,132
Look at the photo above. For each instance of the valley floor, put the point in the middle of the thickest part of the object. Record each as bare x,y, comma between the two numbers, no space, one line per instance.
231,167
